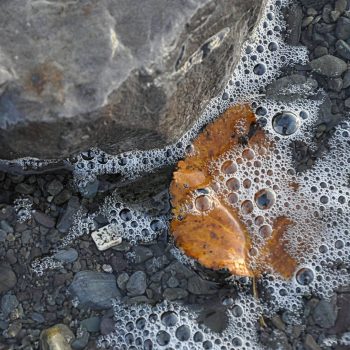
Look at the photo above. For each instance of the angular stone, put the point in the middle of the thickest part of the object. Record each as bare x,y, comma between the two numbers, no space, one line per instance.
325,314
94,289
66,220
329,66
343,49
125,74
316,4
106,237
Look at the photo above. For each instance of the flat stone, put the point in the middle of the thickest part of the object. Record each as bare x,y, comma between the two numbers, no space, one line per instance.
91,324
43,219
325,314
137,283
142,254
329,66
8,279
175,293
125,74
94,289
66,255
342,30
198,286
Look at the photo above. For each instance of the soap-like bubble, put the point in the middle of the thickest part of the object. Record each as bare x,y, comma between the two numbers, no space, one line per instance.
285,123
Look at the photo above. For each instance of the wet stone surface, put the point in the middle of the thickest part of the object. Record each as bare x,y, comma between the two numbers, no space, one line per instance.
149,273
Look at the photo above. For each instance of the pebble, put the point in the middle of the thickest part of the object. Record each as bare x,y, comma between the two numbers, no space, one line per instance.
3,235
137,283
57,337
4,225
198,286
8,279
62,197
347,103
342,30
37,317
43,219
142,254
341,6
107,325
315,4
91,324
122,280
81,340
94,289
343,49
8,303
325,314
54,187
175,293
24,188
329,66
67,256
66,220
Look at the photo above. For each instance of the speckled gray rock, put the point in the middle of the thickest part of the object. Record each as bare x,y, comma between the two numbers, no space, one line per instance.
329,66
137,283
325,314
71,72
94,289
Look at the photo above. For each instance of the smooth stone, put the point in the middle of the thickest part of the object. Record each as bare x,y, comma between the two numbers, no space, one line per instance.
81,340
198,286
91,324
175,293
57,337
8,279
122,280
37,317
329,66
67,256
24,188
310,343
43,219
8,303
94,289
325,314
342,30
66,220
54,187
137,283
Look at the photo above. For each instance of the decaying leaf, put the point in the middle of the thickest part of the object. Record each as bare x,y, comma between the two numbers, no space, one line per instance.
204,226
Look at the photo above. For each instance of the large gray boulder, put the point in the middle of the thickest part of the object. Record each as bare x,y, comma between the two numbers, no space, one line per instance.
117,74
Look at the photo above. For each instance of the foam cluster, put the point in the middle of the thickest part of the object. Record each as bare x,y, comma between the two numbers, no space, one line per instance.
174,326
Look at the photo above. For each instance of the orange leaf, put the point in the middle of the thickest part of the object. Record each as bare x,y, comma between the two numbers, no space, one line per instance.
203,225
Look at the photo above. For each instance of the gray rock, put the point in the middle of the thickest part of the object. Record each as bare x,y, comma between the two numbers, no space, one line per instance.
90,190
54,187
329,66
325,314
94,289
137,283
346,80
3,235
107,325
81,341
66,220
347,103
24,188
125,74
175,293
37,317
43,219
62,197
343,49
198,286
4,225
142,254
341,5
8,279
342,30
122,280
67,256
91,324
8,303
